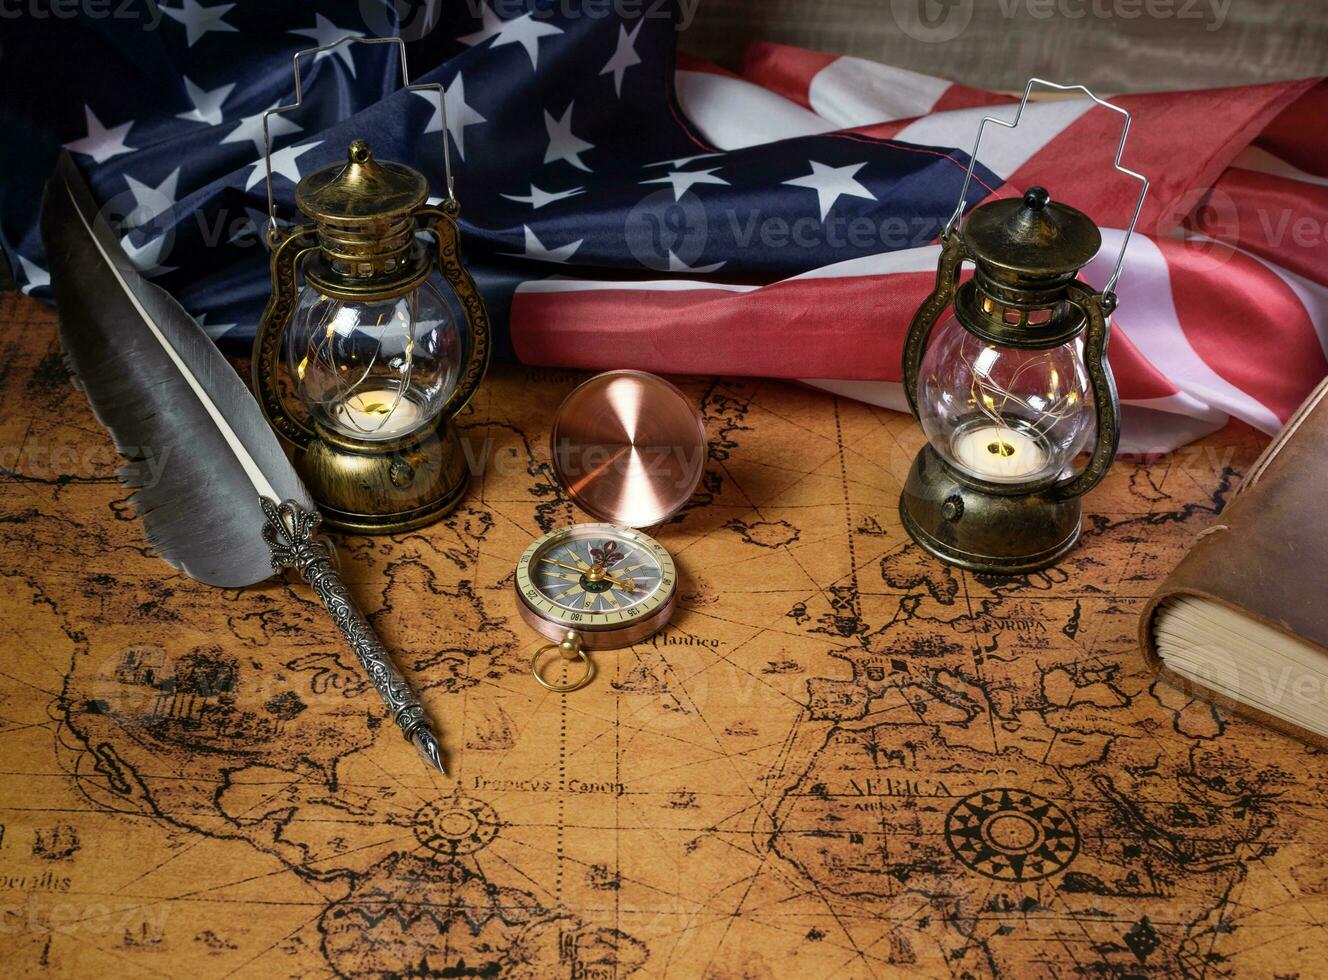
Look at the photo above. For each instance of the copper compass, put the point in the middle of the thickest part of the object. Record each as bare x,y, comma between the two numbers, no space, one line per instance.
629,449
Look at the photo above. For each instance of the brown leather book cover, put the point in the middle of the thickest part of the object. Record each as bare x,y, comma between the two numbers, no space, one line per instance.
1266,557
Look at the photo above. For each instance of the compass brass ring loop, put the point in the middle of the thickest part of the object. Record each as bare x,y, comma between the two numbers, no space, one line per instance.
569,649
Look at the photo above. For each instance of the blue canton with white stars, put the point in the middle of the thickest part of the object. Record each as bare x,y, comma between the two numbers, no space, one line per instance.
571,153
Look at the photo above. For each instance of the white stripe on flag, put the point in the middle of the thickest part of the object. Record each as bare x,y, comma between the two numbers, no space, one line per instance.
733,114
1159,425
855,92
1148,315
1003,150
886,394
920,259
1261,161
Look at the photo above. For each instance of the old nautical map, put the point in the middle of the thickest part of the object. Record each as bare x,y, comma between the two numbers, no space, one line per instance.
840,760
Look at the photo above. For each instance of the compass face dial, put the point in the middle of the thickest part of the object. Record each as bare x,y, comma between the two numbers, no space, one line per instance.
595,577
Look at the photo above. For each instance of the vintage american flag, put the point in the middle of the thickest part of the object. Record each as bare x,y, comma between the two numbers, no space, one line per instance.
625,206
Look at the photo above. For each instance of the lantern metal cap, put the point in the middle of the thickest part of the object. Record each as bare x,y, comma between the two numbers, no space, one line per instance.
362,190
1032,238
629,448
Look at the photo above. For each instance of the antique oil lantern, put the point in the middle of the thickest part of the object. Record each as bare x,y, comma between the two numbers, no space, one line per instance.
1014,385
371,346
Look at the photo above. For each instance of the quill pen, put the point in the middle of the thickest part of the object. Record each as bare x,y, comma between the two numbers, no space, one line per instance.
218,497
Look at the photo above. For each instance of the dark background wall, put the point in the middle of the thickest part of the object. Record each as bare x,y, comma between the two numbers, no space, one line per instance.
1114,45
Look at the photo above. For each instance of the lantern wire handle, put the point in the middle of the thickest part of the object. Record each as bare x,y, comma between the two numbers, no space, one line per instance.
299,100
1109,291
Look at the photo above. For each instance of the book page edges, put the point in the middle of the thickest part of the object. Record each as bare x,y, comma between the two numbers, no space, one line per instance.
1148,644
1265,557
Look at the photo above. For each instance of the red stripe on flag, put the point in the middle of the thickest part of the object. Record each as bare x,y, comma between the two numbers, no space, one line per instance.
963,97
1296,134
1245,322
1174,142
848,328
784,70
883,131
1277,218
690,62
810,328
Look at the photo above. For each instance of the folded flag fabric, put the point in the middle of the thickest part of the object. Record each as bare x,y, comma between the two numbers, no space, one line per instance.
1224,311
624,206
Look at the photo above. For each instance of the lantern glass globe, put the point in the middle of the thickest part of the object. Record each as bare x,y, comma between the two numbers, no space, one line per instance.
374,371
1002,414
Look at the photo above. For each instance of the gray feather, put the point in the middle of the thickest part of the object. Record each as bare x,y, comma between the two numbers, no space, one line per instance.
198,451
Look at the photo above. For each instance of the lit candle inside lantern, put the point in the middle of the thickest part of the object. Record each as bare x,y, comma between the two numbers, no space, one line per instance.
999,453
379,414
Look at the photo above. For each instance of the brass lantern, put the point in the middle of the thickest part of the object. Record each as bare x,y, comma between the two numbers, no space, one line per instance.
372,348
1014,385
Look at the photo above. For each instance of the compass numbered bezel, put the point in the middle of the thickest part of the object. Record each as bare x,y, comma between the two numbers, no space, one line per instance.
551,619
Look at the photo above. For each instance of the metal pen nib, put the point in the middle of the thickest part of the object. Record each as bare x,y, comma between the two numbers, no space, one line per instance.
427,745
289,530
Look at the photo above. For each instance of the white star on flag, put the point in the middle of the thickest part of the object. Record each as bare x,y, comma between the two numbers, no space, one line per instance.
150,201
147,257
35,275
563,144
682,180
283,164
198,20
624,57
214,330
459,114
323,33
254,229
101,143
832,183
681,161
524,30
535,249
678,265
537,198
207,105
250,130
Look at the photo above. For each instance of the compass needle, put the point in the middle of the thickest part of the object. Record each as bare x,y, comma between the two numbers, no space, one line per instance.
553,561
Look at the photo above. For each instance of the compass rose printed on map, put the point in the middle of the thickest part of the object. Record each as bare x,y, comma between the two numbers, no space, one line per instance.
1011,835
461,825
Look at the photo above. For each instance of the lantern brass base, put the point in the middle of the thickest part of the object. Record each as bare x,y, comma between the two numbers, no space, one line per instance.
385,487
996,533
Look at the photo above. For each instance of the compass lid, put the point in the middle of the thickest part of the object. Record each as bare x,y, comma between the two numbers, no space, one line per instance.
629,448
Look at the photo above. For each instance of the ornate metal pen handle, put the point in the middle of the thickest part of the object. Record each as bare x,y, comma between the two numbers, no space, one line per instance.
289,532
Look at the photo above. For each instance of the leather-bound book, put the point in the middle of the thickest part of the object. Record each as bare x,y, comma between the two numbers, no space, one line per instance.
1243,619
